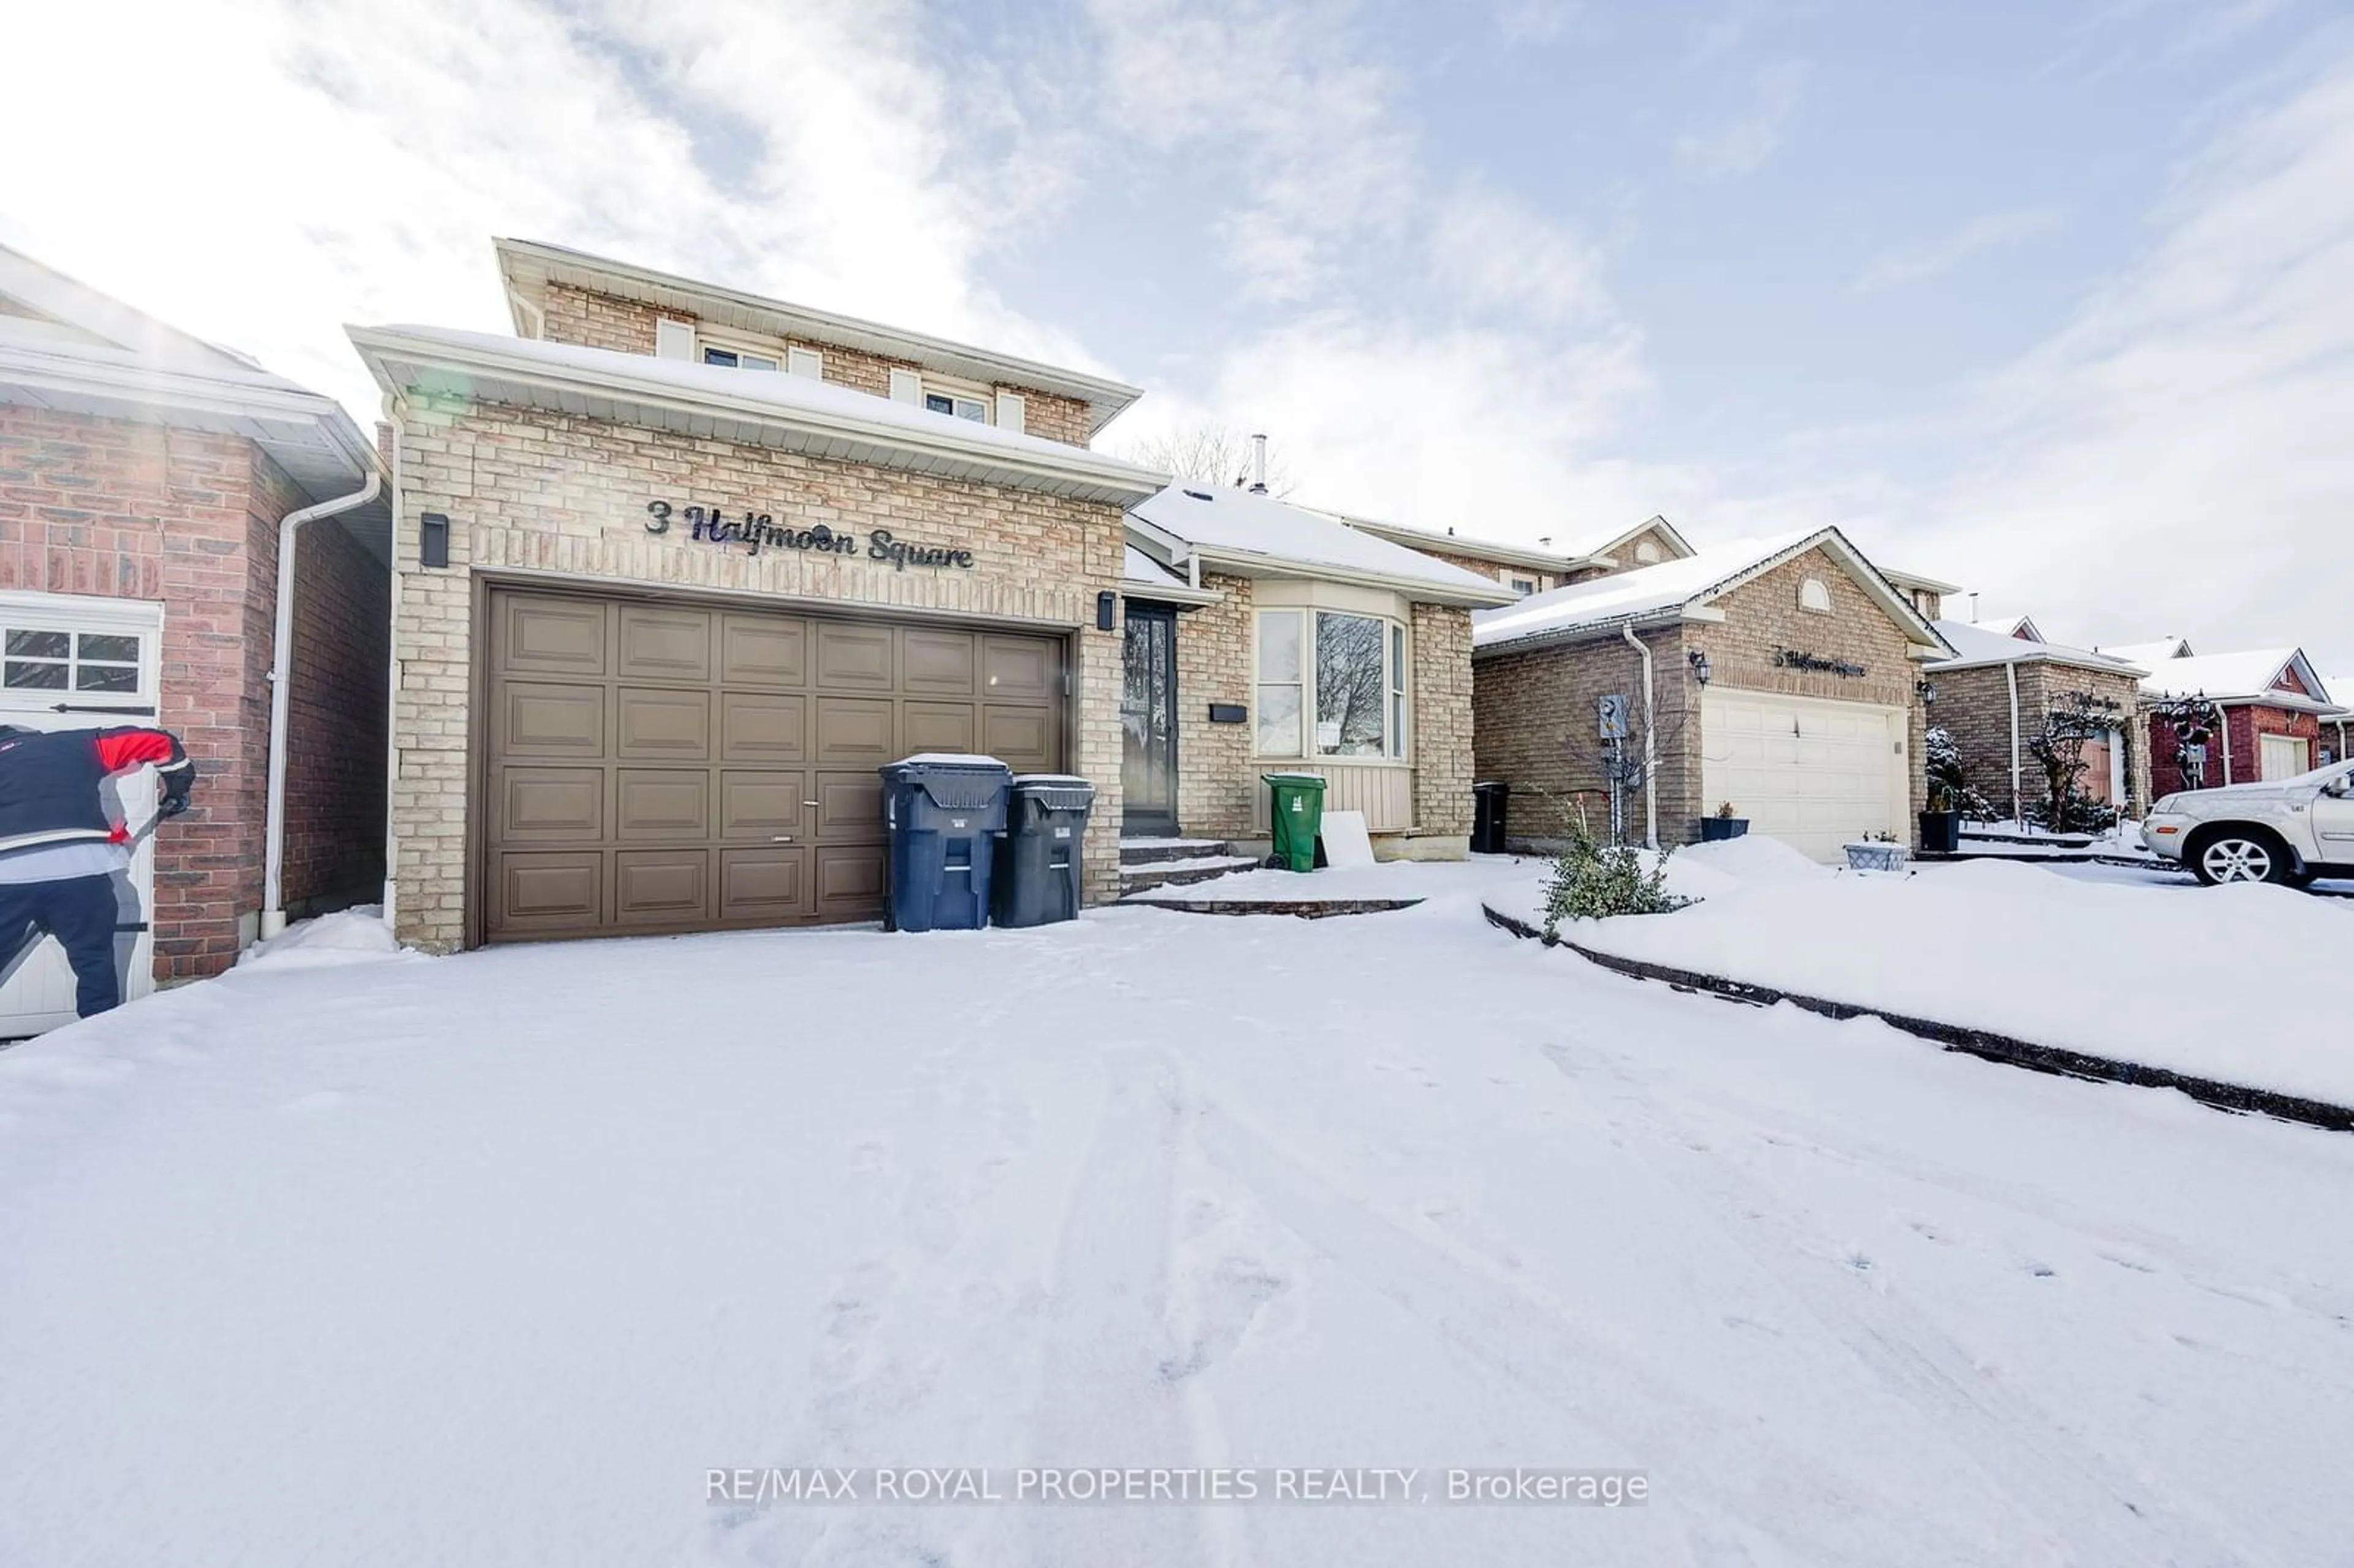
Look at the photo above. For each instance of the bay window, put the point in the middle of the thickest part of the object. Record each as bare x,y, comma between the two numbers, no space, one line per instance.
1330,684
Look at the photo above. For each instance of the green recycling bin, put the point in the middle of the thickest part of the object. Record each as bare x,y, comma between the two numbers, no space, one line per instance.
1297,811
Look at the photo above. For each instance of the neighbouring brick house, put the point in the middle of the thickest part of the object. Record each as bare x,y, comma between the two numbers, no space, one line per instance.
1994,699
678,567
1779,676
2272,704
143,478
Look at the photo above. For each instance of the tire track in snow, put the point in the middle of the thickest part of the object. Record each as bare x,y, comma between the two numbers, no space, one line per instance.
2009,1439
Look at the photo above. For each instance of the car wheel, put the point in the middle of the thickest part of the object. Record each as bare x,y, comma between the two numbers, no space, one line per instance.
2232,856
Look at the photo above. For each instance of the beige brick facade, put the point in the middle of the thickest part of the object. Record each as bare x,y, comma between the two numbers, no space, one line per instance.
575,316
533,492
1217,785
1442,724
1535,711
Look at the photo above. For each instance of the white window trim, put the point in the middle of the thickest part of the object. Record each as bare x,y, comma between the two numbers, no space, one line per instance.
81,612
807,362
1397,681
1820,586
1012,412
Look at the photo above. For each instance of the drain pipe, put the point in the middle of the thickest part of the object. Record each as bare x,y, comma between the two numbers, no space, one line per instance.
2017,806
282,680
1650,746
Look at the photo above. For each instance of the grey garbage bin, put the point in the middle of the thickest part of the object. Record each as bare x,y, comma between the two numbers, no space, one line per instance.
1038,860
943,813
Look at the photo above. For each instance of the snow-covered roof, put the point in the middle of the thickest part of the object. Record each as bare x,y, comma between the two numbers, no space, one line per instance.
69,347
720,402
1252,535
2021,626
2229,677
1136,566
1666,590
529,266
1977,643
2149,654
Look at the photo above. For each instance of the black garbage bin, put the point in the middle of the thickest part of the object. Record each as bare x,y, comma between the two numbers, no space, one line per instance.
1037,880
1488,802
944,814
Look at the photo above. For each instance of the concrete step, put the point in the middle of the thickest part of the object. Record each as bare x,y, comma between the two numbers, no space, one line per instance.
1180,872
1151,852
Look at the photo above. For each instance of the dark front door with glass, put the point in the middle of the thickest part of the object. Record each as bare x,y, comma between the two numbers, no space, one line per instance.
1148,720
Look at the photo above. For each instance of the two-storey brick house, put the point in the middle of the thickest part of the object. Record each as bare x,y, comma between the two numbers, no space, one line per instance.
148,480
679,566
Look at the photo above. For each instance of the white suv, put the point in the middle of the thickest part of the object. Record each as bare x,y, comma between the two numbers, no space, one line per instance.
2285,829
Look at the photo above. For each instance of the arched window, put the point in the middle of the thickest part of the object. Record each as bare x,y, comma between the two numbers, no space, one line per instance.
1647,552
1814,596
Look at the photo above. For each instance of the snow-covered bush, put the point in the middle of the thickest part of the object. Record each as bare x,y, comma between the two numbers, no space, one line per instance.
1592,881
2074,721
1946,784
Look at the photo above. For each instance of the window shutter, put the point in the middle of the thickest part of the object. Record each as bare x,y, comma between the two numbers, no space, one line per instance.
806,362
1009,410
907,387
673,339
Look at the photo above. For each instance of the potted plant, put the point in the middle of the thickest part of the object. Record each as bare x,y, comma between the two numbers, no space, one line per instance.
1878,851
1723,825
1940,824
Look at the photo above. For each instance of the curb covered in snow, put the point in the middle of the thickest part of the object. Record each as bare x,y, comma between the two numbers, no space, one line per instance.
1304,910
1980,1043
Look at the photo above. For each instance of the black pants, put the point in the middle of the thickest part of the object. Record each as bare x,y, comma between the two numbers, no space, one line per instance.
80,912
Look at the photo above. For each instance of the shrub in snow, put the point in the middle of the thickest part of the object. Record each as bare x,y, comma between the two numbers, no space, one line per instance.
1946,783
2059,750
1592,880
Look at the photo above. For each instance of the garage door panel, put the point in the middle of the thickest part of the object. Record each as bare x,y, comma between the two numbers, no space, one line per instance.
770,884
1017,669
939,662
659,644
651,723
763,650
849,882
1023,738
547,804
662,886
849,806
764,805
940,726
857,729
666,803
551,636
542,893
763,726
548,719
855,657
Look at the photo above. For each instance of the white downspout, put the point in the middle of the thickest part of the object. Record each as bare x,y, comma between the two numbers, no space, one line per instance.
2224,738
282,680
1650,746
2017,805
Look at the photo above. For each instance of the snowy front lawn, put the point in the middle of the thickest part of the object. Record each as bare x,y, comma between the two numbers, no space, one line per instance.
493,1260
2133,966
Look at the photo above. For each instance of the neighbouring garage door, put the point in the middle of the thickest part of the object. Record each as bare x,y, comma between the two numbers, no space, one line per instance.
1813,774
664,767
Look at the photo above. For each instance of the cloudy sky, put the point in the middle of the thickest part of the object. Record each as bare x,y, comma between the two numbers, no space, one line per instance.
2051,299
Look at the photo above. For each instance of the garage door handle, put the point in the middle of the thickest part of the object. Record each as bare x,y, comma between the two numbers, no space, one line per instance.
810,804
782,839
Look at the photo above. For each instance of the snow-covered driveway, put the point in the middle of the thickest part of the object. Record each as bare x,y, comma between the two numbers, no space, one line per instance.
489,1260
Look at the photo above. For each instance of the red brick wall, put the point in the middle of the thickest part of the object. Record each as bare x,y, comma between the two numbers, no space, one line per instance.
336,722
2242,725
121,509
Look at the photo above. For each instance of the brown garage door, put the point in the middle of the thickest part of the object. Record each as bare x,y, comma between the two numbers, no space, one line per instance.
665,768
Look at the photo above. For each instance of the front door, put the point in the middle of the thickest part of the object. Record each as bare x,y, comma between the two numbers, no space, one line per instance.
1148,721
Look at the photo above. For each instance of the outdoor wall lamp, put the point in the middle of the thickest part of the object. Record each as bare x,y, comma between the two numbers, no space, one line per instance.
1107,611
1925,689
1698,659
433,539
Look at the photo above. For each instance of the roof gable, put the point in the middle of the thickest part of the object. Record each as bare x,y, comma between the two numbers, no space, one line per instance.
2251,675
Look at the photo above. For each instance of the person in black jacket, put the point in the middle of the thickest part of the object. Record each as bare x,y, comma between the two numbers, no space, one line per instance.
64,847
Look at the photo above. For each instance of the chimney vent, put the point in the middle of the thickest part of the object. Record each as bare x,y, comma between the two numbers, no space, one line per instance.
1258,465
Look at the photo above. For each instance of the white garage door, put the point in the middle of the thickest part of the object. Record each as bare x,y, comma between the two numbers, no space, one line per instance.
72,663
1813,774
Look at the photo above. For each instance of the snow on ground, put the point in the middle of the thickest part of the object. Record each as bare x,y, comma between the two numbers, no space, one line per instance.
355,935
489,1259
1385,879
2096,964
